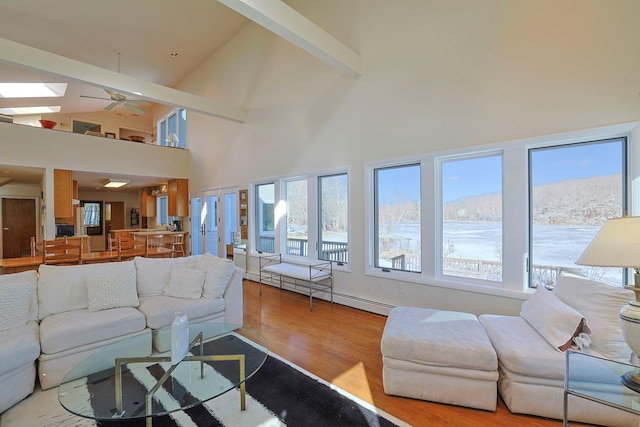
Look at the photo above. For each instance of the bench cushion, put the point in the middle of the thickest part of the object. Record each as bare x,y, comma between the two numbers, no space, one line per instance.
297,272
437,338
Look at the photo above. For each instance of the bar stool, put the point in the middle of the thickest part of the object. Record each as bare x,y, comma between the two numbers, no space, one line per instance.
177,245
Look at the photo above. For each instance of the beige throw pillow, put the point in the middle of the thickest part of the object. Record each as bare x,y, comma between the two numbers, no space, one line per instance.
185,283
112,290
14,304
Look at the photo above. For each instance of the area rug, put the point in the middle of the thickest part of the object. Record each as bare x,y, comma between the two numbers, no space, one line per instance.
279,394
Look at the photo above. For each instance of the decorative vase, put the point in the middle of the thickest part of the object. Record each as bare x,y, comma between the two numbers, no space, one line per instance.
47,124
179,338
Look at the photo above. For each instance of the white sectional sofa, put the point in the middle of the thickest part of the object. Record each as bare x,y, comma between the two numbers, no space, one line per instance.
442,356
531,369
72,311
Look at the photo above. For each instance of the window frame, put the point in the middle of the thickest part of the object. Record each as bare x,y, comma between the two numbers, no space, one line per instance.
163,128
515,200
313,223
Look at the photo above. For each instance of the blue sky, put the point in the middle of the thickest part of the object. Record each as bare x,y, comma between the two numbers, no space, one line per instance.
483,175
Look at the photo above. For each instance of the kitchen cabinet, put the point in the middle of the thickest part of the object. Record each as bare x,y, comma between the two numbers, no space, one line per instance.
148,205
178,197
62,193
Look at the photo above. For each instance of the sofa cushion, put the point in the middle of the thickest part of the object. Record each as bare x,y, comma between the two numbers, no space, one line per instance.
559,324
72,329
521,349
19,346
15,299
30,276
154,274
185,283
600,303
160,310
112,290
64,288
219,272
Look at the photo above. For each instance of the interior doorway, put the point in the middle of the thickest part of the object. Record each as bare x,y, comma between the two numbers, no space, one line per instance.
18,226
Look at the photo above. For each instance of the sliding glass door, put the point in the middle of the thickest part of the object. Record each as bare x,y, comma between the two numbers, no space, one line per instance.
214,221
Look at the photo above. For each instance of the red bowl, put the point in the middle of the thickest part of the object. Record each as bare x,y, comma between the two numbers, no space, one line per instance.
48,124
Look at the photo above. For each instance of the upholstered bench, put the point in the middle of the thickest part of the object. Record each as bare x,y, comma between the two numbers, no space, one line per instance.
441,356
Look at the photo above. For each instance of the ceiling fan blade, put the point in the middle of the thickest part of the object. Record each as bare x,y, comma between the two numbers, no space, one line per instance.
134,108
93,97
111,93
110,106
137,102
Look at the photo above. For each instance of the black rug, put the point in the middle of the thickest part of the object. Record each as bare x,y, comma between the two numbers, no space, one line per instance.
290,396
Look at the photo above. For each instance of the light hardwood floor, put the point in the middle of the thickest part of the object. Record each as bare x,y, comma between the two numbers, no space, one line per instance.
342,345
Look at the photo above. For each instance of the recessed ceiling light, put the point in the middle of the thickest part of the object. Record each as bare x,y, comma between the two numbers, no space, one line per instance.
115,183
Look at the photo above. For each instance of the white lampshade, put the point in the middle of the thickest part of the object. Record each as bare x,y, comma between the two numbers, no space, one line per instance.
617,244
173,139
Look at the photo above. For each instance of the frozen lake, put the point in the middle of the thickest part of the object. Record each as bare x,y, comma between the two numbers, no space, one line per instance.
552,245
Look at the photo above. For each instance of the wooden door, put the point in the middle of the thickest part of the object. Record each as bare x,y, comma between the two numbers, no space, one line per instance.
18,226
114,221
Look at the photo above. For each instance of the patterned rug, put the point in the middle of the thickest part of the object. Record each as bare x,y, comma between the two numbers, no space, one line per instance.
279,394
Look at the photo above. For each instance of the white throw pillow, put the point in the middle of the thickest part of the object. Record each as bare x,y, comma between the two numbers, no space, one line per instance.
185,283
14,304
219,272
30,276
600,303
561,325
112,290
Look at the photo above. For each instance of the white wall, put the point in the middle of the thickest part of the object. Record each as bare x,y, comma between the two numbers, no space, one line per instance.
437,75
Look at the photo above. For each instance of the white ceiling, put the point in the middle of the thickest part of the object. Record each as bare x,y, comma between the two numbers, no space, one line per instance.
146,32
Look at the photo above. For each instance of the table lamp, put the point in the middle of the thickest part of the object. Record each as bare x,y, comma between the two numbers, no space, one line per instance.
617,244
173,140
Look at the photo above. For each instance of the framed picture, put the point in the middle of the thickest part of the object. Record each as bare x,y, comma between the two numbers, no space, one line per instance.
243,195
110,135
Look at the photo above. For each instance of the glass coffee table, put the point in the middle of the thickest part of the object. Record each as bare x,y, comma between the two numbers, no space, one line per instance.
124,381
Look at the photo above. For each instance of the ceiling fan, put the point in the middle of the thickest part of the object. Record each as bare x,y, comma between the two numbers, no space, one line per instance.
120,99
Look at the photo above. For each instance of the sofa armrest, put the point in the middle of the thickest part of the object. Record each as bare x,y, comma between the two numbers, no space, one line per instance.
233,300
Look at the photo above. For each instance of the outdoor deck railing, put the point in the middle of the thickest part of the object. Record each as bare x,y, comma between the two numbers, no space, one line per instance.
329,251
544,275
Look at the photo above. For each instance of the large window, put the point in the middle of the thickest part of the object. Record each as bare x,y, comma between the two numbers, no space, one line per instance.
472,218
334,218
304,217
398,230
574,190
162,210
265,217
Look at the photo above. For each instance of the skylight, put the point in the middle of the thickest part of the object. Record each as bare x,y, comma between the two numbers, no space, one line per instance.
32,90
30,110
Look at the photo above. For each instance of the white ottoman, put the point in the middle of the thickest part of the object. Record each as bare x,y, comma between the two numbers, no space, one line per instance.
441,356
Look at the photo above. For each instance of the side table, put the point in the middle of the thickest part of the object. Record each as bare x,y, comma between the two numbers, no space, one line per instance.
598,379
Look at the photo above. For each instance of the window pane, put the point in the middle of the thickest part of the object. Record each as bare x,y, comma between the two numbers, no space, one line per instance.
574,190
397,222
472,218
162,210
334,226
297,233
182,127
265,199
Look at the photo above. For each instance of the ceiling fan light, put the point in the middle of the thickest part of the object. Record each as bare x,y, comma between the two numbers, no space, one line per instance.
115,183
